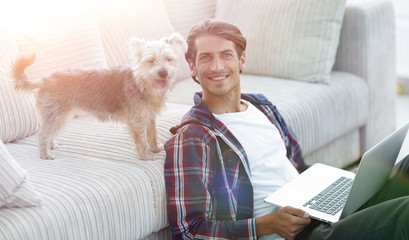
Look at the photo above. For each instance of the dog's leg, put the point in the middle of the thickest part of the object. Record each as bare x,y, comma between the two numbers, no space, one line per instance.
153,136
43,140
53,144
52,121
138,130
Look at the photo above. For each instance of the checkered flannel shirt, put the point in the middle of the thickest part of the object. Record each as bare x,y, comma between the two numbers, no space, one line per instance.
209,192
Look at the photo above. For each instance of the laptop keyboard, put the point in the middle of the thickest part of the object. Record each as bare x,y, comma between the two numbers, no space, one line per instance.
332,199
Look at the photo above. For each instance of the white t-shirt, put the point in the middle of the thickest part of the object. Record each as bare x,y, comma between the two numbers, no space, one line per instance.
269,166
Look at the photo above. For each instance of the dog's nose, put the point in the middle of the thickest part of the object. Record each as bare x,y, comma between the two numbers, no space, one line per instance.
163,73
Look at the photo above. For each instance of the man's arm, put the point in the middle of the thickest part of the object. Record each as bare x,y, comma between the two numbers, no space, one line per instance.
286,222
191,210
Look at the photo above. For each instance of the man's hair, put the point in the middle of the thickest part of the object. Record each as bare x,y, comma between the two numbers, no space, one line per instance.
214,27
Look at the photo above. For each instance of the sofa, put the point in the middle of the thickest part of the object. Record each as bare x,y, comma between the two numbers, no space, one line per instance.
328,66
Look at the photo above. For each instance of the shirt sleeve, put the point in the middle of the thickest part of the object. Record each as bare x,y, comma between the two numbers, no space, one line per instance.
188,172
294,153
291,142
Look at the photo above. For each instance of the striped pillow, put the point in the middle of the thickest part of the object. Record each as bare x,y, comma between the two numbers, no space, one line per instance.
15,189
73,42
293,39
18,116
124,19
185,14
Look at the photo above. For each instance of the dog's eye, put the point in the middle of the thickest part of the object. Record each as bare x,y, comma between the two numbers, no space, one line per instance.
150,60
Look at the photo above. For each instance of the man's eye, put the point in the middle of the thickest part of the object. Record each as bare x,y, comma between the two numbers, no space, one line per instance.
204,58
227,55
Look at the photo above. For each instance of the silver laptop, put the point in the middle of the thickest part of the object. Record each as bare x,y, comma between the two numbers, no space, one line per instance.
312,190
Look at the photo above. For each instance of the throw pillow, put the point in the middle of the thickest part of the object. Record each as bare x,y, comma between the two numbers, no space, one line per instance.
73,42
293,39
124,19
15,188
185,14
18,116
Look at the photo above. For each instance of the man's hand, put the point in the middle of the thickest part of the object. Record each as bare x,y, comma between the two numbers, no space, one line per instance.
286,222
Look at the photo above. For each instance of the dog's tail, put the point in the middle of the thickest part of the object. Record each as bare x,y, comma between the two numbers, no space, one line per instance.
18,72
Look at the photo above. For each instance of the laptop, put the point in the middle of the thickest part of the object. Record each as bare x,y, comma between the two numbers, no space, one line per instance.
308,189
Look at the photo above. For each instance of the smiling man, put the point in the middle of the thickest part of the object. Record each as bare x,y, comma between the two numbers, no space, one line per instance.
218,68
231,150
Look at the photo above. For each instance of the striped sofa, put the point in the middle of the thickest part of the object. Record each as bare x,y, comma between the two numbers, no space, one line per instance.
337,94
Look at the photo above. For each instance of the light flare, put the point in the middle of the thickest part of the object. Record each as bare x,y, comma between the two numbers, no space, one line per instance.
33,15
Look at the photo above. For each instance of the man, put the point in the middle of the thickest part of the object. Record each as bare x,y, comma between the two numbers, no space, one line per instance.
232,150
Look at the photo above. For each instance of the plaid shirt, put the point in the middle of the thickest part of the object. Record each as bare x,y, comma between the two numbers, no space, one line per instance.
209,192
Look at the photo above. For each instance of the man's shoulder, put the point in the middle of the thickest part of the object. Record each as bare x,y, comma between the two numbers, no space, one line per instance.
192,129
191,132
258,99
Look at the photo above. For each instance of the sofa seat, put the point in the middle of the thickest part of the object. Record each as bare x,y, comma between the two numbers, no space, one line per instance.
95,188
312,110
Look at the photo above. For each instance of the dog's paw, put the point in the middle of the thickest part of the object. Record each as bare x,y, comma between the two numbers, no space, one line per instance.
47,156
54,146
156,149
147,157
150,157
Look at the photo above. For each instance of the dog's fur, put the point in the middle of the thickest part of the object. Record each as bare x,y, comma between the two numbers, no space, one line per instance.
131,94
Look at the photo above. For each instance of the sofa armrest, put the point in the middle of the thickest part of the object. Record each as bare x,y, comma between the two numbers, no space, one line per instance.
367,49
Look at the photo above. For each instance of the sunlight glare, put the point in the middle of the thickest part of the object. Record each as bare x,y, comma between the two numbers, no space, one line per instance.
31,15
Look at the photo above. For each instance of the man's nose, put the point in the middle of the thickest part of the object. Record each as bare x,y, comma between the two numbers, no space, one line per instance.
217,64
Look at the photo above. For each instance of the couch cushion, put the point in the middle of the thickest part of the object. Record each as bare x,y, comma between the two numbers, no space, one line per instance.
318,113
292,39
95,181
73,42
84,196
15,188
18,116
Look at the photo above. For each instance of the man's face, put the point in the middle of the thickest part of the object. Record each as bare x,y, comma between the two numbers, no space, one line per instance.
217,65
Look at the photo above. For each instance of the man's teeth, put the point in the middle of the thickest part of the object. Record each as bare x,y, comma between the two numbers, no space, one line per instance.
218,78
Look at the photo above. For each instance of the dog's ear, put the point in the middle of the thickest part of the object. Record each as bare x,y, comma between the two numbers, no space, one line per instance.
135,47
178,41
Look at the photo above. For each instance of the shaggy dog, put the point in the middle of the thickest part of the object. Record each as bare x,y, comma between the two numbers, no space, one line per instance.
132,94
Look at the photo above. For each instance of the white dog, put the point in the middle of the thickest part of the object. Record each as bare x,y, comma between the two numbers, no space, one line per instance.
131,94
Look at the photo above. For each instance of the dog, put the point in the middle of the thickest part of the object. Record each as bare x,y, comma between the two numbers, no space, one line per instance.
133,94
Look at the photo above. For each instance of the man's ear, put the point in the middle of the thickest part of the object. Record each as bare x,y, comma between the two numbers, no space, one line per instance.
192,69
193,72
242,61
